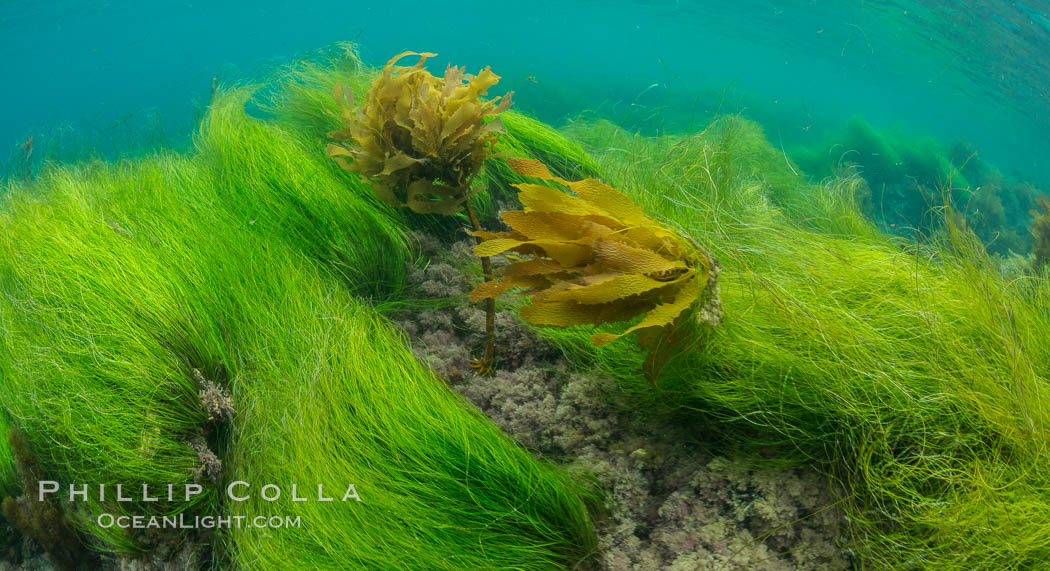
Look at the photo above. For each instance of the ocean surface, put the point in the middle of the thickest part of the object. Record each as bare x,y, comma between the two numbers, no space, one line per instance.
118,77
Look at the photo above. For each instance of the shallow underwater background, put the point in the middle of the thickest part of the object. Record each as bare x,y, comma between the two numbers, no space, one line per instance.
975,70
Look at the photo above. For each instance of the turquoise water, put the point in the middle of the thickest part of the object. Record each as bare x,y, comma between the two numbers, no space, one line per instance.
110,77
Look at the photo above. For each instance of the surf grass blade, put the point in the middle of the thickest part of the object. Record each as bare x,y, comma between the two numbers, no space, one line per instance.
240,261
912,373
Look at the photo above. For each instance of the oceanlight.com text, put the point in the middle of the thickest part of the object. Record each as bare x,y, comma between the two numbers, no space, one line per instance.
182,521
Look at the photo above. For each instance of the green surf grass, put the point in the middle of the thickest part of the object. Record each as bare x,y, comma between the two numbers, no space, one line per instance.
278,186
8,477
441,487
913,374
96,362
249,261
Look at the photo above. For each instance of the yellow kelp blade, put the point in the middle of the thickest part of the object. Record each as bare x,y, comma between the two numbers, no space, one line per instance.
553,225
422,137
615,287
531,167
659,316
539,198
566,313
603,198
597,258
565,253
537,266
488,290
422,58
614,255
610,201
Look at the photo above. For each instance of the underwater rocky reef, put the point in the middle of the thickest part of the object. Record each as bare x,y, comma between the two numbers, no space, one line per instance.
257,327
